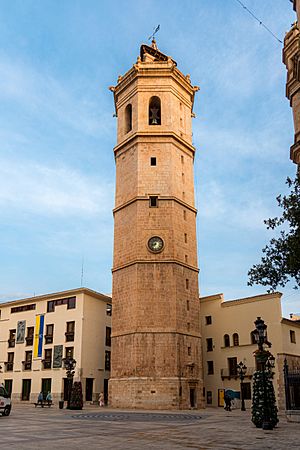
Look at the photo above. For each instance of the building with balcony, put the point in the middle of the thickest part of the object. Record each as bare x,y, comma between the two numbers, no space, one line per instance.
228,339
37,333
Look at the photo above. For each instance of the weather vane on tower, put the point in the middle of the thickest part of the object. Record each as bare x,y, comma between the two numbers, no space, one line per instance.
152,36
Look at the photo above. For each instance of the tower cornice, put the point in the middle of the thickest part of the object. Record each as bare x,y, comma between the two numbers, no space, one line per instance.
156,261
150,136
161,198
155,70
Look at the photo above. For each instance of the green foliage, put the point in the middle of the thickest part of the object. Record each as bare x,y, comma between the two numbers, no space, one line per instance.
281,258
263,403
76,401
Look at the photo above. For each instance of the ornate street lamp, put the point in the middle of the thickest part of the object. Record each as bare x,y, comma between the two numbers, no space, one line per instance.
241,371
265,363
69,365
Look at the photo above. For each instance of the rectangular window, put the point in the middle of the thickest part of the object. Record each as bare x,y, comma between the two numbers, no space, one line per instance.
29,337
153,201
70,333
17,309
28,360
232,366
188,326
210,367
10,362
185,238
188,305
108,309
69,352
189,351
184,214
107,360
12,338
71,303
293,336
209,345
208,320
108,337
48,358
153,161
49,334
186,258
187,284
50,306
182,159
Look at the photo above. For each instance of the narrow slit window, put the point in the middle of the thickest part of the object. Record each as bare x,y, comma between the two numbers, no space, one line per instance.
185,238
187,283
154,111
153,201
153,161
128,118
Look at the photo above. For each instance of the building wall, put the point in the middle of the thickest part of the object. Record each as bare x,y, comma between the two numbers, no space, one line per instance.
238,316
291,58
90,320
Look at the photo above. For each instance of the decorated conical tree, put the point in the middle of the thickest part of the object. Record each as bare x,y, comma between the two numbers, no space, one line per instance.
76,401
263,399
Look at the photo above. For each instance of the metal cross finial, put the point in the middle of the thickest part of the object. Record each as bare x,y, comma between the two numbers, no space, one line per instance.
155,30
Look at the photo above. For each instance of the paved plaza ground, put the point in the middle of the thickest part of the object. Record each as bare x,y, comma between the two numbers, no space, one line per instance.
94,428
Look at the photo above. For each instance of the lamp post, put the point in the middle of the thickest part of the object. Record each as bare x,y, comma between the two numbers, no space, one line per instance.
69,365
241,370
265,363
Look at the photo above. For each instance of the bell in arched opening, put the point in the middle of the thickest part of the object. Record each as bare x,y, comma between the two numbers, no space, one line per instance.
154,111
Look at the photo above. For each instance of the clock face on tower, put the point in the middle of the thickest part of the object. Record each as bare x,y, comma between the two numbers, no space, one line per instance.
156,244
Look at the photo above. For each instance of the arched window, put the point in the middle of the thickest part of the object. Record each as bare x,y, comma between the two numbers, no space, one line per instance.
235,338
128,118
154,111
226,340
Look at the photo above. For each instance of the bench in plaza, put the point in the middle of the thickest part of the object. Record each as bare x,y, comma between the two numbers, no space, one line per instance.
42,404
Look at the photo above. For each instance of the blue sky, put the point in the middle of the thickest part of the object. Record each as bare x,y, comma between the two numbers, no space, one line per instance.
57,133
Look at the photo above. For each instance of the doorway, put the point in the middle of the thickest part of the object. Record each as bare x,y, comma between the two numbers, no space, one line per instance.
105,391
66,389
193,397
89,389
26,389
8,386
46,386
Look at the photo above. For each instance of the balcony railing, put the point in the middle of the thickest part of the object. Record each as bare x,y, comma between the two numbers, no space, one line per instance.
29,340
231,373
69,336
48,338
11,343
9,366
27,365
46,363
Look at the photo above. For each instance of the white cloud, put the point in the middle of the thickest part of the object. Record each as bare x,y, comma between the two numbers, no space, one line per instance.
31,187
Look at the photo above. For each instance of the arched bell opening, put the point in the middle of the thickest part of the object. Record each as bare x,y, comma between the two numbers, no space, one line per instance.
154,111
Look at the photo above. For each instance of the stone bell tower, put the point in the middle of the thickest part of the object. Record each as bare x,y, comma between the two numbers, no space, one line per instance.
156,342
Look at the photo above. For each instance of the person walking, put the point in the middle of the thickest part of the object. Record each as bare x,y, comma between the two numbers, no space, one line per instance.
227,400
101,399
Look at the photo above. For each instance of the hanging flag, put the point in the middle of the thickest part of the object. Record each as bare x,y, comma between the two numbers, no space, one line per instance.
38,336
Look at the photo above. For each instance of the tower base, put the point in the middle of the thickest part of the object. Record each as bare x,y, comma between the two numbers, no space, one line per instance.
155,393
